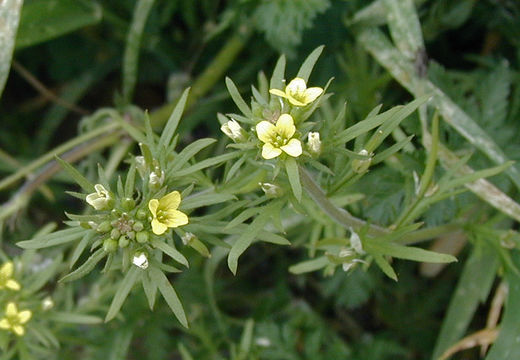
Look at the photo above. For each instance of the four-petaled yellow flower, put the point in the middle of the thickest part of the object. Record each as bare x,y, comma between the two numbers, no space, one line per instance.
297,92
15,319
6,273
279,137
165,213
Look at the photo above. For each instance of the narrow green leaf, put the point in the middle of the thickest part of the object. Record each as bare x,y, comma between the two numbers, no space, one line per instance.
247,237
150,289
243,216
462,180
364,126
385,154
170,251
130,181
173,121
133,44
201,199
473,287
74,318
205,164
86,267
185,354
277,80
122,292
56,238
294,178
132,130
76,175
120,345
43,20
404,26
385,266
169,294
237,98
9,18
406,252
82,245
309,265
189,151
307,66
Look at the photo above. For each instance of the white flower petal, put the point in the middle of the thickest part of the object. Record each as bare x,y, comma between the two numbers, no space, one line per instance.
285,126
293,148
270,152
265,131
312,94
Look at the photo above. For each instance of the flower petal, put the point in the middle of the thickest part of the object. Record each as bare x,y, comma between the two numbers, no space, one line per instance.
265,131
158,227
278,93
270,152
24,316
285,126
312,94
4,324
170,201
7,270
153,205
296,87
175,218
296,102
11,310
13,285
18,330
293,148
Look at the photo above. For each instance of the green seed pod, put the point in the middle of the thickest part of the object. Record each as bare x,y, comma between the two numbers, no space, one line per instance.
128,204
109,245
123,241
104,227
142,237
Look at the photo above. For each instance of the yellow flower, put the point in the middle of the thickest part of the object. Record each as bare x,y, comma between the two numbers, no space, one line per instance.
297,92
165,213
278,138
6,273
14,319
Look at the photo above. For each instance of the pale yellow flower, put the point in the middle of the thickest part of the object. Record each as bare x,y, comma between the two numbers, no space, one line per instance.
6,274
165,213
297,92
278,138
15,319
101,199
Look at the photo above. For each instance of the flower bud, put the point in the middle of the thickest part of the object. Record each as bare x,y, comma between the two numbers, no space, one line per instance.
187,238
47,303
142,237
314,143
104,227
128,204
140,165
140,260
109,245
156,179
138,226
271,190
361,166
101,199
234,131
115,234
141,214
123,241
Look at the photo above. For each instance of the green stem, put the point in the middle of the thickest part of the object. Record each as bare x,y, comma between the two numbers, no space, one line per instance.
339,215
